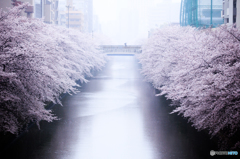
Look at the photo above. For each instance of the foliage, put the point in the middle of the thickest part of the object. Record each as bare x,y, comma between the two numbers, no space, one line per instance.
39,62
200,70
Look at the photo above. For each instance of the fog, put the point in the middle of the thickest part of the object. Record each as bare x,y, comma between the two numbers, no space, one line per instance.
129,21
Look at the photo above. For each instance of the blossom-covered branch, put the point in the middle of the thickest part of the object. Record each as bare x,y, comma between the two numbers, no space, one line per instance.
200,69
39,62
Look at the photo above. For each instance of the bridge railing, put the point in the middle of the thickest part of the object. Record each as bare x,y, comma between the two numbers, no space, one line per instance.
121,48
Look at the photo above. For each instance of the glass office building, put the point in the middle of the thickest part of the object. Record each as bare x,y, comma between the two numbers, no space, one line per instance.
201,13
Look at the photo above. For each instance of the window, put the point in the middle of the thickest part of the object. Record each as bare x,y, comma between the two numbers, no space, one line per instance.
234,3
234,19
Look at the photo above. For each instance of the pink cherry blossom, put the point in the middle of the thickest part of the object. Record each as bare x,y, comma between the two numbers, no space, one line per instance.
199,70
39,62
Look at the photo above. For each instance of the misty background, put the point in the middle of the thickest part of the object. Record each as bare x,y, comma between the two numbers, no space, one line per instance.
130,21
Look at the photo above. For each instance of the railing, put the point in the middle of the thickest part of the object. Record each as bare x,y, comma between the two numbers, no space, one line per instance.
121,48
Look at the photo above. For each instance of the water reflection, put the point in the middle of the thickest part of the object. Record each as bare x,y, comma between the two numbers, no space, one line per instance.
116,129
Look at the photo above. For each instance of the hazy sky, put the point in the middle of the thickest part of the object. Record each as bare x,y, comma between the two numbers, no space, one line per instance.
118,18
129,21
109,9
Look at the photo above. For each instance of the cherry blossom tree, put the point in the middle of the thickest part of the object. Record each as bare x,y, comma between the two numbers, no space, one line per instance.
202,75
38,63
161,53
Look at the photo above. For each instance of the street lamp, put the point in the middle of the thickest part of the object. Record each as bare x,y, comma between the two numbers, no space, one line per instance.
68,6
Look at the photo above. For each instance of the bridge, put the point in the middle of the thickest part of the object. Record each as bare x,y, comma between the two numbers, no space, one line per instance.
113,49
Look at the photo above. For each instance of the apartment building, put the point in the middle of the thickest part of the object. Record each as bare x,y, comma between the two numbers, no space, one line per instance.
231,12
75,20
86,8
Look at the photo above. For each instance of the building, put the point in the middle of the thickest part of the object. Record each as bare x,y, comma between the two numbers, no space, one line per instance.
47,9
230,12
54,12
69,16
75,19
62,13
201,13
86,8
96,25
62,18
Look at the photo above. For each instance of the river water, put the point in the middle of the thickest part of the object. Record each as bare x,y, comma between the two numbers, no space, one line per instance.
115,116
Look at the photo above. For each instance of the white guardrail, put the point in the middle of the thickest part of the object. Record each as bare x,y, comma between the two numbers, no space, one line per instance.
121,48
